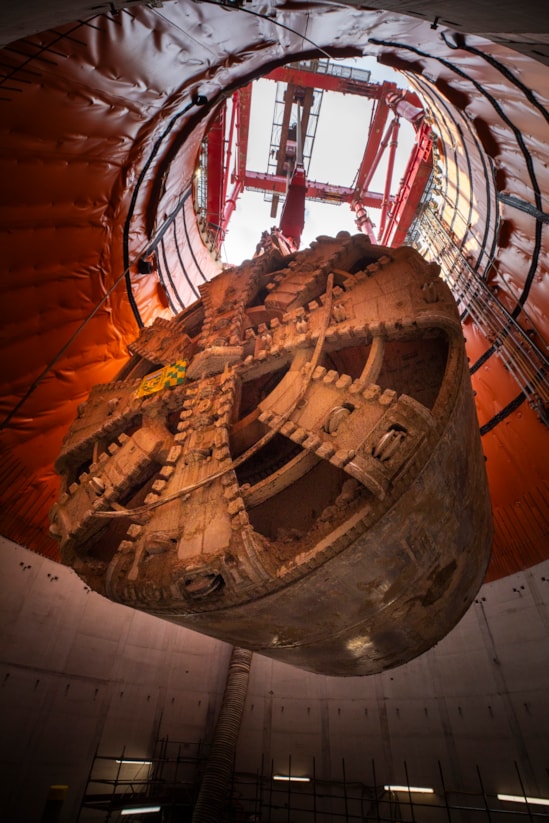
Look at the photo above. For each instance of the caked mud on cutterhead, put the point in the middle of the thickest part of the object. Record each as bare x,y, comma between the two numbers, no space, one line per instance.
292,464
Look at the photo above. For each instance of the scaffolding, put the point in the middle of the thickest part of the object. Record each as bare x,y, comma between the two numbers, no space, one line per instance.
517,349
119,785
267,799
284,128
166,785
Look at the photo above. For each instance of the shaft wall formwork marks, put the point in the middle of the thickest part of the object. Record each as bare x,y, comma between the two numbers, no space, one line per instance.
81,674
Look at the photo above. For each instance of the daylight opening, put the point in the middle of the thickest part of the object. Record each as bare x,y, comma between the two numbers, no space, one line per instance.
351,126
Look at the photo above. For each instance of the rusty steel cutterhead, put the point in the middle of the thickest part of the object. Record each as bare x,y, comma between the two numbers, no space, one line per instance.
292,464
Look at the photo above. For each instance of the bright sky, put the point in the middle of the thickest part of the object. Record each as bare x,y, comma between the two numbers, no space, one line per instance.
340,140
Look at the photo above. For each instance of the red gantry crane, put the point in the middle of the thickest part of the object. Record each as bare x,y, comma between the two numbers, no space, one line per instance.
300,88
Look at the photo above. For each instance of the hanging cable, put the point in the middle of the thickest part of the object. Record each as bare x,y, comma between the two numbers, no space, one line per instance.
236,6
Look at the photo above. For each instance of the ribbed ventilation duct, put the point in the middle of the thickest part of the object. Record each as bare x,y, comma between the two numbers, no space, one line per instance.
215,785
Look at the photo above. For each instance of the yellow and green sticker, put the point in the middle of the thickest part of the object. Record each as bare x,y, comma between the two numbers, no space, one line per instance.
165,378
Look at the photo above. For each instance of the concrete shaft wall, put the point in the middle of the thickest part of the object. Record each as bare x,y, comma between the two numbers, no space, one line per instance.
81,674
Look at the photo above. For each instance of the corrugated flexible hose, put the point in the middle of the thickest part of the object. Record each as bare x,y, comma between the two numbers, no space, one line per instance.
214,788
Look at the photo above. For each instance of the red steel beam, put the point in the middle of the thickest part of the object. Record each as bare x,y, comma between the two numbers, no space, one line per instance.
404,102
238,138
230,203
328,82
363,220
315,190
231,144
292,218
215,167
373,144
389,176
243,128
416,176
388,97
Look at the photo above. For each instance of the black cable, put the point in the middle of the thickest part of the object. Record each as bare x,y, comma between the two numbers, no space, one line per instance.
197,100
190,246
60,353
482,359
192,287
150,247
126,273
527,156
161,255
516,81
501,415
226,4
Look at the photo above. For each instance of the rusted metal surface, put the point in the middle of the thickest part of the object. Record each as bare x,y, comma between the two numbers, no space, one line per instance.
304,478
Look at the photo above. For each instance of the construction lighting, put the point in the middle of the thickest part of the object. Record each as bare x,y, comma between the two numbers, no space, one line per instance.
415,789
141,810
291,779
520,798
130,761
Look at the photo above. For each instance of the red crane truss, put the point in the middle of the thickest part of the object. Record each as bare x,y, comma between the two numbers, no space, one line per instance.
227,153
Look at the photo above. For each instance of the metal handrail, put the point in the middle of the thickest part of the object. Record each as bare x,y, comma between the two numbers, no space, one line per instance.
525,361
323,66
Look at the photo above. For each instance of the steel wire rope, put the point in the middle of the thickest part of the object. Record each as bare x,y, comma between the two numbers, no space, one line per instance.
491,257
528,366
456,212
490,189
